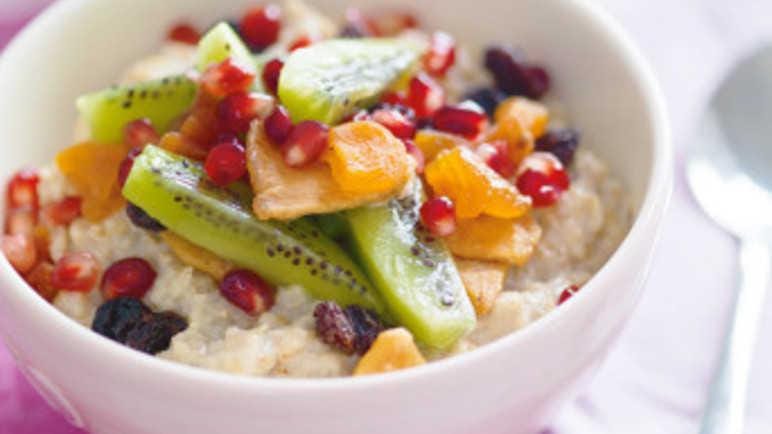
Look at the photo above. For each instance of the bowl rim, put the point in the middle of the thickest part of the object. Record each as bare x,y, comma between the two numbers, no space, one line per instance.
656,198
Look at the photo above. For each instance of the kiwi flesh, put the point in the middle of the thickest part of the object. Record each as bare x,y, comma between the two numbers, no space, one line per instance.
174,190
413,271
330,80
161,101
220,43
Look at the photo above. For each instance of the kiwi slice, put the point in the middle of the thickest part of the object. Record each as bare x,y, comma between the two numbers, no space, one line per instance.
162,101
412,270
220,43
330,80
173,190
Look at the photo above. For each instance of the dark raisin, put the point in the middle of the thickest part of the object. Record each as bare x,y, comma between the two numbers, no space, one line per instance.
141,219
351,31
487,97
116,318
366,326
334,327
155,334
513,75
562,143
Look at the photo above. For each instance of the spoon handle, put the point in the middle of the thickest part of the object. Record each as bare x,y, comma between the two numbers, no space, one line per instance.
726,403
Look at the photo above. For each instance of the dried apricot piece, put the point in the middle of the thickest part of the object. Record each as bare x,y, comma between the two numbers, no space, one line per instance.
366,158
474,187
531,115
431,142
511,241
392,350
197,257
483,280
92,168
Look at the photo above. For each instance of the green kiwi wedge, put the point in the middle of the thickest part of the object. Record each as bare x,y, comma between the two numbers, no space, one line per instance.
220,43
175,191
161,101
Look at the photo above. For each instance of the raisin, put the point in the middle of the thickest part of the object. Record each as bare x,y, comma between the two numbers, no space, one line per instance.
488,98
561,143
116,318
513,75
366,327
334,327
141,219
155,334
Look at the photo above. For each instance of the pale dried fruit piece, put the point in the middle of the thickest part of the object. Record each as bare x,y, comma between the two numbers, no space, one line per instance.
431,142
494,239
531,115
484,281
474,187
197,257
393,350
284,193
366,158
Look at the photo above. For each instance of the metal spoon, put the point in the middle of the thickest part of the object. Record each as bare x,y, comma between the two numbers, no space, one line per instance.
730,174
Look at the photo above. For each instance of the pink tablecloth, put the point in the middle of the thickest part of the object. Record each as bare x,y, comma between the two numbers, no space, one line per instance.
656,378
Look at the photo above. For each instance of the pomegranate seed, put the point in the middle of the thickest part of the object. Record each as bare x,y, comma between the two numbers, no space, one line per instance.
394,98
468,120
23,189
63,213
40,280
226,163
567,293
390,23
441,55
278,125
260,26
139,133
300,42
417,154
439,216
125,167
425,96
247,291
20,251
360,116
226,78
543,178
238,110
305,143
77,272
561,143
21,221
271,72
357,25
399,125
496,156
184,33
130,277
513,75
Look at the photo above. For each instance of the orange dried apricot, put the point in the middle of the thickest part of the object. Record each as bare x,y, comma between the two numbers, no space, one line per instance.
197,257
181,145
474,187
366,158
531,115
392,350
92,168
495,239
431,142
483,280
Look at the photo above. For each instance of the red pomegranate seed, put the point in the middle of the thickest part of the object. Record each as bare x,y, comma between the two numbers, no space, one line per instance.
23,189
77,272
237,111
130,277
21,221
305,143
496,156
260,26
468,120
567,293
63,213
125,167
543,178
139,133
361,115
394,98
20,251
278,125
226,78
393,22
226,163
247,291
441,55
417,154
439,216
396,122
40,280
271,72
300,42
425,96
184,33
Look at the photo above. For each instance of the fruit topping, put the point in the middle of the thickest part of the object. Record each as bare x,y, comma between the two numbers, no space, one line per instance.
140,219
129,277
125,167
416,154
561,143
392,350
484,281
487,98
226,163
474,187
21,221
494,239
392,22
496,156
62,212
438,215
227,77
513,75
40,280
305,144
567,293
140,132
184,33
357,25
116,318
236,111
467,119
431,142
260,26
425,96
271,73
441,54
366,158
278,125
220,43
532,116
543,178
155,334
21,252
247,291
197,257
300,42
22,190
398,121
350,330
77,272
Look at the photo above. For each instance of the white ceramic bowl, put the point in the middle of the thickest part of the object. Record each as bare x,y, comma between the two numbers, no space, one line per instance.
511,386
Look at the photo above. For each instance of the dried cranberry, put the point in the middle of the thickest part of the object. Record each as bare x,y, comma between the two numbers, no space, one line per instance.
278,125
567,293
130,277
271,73
496,156
513,75
21,252
124,169
438,215
487,98
236,111
116,318
441,54
184,33
77,272
141,219
226,163
23,190
425,96
400,125
63,212
561,143
543,178
260,26
467,119
226,78
305,143
155,334
247,291
366,326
